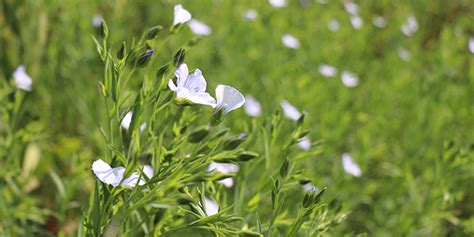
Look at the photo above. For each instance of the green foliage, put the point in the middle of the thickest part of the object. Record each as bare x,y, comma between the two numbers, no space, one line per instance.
408,124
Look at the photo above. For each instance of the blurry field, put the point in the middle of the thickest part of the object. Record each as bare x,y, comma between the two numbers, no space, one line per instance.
408,123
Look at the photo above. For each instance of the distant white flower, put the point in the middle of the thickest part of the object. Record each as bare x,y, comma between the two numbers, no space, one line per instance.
410,26
22,80
379,22
290,111
350,166
351,8
97,21
224,168
349,79
327,70
114,176
252,107
404,54
228,98
278,3
250,15
471,44
304,143
127,120
290,41
211,207
199,28
190,88
310,187
333,25
356,22
181,15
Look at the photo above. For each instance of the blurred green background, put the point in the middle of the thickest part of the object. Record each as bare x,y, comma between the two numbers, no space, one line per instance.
409,124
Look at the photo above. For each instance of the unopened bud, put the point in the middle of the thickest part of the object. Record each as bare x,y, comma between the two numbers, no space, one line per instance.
121,52
143,59
153,32
233,143
179,57
198,134
247,155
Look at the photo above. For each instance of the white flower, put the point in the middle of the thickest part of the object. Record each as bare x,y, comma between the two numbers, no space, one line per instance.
114,176
250,15
470,45
228,98
356,22
191,88
379,22
290,41
210,206
97,21
327,70
199,28
252,107
290,111
333,25
349,79
22,80
304,143
224,168
404,54
181,15
351,8
310,187
410,27
278,3
350,166
127,120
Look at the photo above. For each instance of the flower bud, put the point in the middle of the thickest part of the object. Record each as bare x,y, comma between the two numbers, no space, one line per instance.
104,30
153,32
198,134
143,59
304,181
247,155
122,51
179,57
184,200
234,142
216,117
161,71
285,168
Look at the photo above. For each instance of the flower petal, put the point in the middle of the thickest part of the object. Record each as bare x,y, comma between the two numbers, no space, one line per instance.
199,28
181,15
350,166
290,111
196,83
252,107
181,74
228,98
22,80
107,174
